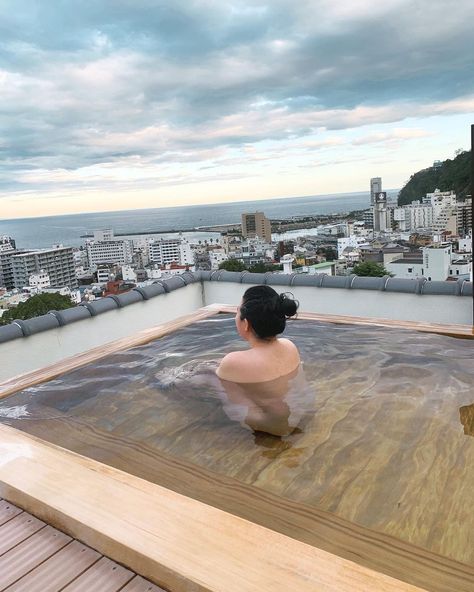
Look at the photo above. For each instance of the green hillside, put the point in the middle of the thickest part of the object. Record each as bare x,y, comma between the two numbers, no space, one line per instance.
451,175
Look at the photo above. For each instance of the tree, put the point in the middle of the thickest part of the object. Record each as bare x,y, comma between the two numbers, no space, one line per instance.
370,269
450,175
232,265
36,306
258,268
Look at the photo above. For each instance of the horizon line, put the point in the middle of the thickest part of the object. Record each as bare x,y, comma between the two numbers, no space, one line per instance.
195,205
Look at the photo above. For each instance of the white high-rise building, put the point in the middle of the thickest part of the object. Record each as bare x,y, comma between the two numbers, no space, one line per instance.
109,251
414,216
171,250
444,206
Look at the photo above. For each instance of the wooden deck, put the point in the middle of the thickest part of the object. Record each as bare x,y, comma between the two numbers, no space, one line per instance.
35,557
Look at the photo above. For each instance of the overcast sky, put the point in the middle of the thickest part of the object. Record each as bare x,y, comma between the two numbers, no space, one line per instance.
116,104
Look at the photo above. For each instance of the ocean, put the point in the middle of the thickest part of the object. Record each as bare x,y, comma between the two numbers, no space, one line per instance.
67,229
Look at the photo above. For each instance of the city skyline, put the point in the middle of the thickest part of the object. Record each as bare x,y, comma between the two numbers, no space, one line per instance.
146,105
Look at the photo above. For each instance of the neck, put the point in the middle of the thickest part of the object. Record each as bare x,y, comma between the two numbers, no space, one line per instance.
255,342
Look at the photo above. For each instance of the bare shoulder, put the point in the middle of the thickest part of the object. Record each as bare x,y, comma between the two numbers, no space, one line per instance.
290,347
231,366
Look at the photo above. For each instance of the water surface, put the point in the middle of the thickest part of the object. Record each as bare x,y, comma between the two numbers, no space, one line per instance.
384,437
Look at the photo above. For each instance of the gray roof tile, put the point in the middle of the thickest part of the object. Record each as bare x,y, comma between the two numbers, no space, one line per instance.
173,283
9,332
127,298
38,324
150,291
253,278
55,319
100,305
70,315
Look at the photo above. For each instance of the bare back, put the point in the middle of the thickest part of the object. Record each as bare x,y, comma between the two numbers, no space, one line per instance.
259,364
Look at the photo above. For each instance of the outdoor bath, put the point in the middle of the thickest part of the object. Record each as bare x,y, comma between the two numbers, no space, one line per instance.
382,447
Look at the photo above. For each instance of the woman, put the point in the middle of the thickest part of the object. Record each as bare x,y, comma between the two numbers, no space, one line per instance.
260,317
261,382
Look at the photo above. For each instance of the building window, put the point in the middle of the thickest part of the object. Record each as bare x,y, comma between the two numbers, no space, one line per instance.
410,270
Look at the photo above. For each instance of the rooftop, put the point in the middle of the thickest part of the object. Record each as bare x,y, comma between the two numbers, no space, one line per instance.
408,260
143,524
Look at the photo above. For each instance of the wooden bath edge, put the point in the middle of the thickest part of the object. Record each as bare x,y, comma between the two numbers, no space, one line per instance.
177,542
166,536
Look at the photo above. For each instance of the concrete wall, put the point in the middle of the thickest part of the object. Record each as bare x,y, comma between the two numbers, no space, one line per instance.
359,303
23,354
29,353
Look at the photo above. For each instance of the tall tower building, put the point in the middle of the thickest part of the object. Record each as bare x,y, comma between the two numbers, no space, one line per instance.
256,225
375,188
381,212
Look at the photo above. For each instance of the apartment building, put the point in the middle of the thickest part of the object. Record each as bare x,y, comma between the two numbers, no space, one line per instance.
413,216
6,269
171,250
57,263
256,225
464,217
109,251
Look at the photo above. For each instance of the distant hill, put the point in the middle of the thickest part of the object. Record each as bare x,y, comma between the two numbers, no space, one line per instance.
450,175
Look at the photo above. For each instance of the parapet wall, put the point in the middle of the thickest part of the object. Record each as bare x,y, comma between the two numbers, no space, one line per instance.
384,298
34,343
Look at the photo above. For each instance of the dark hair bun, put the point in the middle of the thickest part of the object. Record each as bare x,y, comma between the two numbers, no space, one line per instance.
288,305
266,310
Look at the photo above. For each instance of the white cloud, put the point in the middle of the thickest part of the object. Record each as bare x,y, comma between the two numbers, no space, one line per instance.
396,134
133,90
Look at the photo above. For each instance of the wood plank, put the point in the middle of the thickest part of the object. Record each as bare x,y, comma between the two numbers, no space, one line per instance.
22,381
452,330
7,511
104,576
17,530
139,584
56,572
177,542
301,521
29,554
